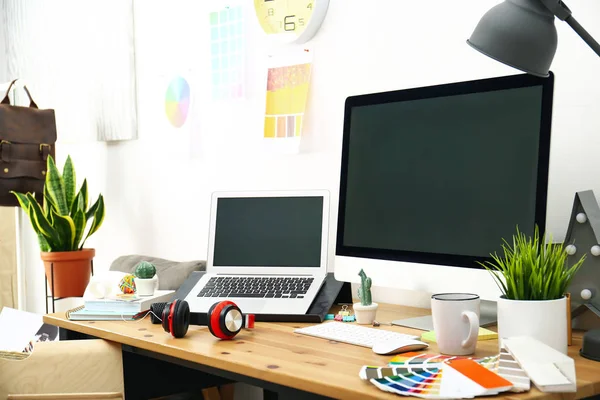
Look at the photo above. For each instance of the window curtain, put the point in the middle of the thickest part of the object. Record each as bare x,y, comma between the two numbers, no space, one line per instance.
78,58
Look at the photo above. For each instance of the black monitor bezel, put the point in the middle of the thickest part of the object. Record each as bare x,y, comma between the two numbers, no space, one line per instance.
458,88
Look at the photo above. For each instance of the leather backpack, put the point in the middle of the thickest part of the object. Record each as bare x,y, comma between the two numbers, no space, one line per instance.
27,138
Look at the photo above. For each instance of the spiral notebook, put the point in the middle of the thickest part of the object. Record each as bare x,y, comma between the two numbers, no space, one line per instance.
128,303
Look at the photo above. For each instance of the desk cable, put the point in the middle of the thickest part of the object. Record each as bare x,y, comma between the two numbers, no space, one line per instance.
140,316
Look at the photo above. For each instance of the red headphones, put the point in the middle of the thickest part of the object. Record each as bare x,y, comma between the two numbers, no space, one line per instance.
224,319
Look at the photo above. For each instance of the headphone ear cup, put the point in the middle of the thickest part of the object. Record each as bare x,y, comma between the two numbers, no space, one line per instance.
223,321
165,316
156,310
181,318
209,314
217,319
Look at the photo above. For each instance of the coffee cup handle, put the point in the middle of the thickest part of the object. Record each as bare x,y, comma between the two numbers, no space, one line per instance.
474,328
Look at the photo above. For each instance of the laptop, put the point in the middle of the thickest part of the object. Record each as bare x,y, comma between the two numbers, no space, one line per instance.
267,251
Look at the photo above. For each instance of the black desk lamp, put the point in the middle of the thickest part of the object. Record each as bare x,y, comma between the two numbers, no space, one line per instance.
521,33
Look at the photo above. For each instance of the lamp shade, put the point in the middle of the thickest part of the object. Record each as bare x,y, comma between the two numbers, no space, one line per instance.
519,33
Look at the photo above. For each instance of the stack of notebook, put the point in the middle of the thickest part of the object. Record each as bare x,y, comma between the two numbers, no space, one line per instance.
125,307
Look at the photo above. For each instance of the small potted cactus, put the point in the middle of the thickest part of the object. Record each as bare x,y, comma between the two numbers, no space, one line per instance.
146,281
366,310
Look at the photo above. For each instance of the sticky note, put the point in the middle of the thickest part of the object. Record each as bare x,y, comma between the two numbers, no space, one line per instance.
484,334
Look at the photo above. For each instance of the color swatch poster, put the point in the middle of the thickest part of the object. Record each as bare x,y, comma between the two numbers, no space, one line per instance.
177,101
288,82
227,52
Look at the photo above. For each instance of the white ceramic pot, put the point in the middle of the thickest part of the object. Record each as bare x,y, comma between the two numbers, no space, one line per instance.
146,287
544,320
365,315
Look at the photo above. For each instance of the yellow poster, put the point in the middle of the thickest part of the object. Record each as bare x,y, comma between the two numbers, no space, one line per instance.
287,93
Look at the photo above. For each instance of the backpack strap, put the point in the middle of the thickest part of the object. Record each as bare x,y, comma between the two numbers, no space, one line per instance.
6,100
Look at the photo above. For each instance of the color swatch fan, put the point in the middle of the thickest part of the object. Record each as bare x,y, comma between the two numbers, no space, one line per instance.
177,101
434,376
426,359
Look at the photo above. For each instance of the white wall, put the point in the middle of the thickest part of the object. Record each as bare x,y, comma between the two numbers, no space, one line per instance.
3,45
157,196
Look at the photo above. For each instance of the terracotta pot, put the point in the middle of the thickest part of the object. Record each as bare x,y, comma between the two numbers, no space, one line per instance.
71,270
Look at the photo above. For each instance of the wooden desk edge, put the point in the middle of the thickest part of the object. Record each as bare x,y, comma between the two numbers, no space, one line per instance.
587,385
298,382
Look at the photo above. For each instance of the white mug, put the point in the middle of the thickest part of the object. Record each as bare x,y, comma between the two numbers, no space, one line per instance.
455,322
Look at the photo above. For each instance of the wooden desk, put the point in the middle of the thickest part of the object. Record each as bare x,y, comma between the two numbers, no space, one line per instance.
295,366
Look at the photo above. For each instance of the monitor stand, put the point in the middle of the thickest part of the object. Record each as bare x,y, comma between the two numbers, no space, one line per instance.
487,316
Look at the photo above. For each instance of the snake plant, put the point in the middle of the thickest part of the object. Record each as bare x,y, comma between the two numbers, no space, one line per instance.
61,222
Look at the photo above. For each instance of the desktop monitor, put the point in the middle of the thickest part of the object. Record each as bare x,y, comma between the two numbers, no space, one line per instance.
434,178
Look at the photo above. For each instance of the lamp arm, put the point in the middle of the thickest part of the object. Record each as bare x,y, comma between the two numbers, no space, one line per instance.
562,12
583,34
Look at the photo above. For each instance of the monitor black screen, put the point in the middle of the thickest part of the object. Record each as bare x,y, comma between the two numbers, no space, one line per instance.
442,174
268,231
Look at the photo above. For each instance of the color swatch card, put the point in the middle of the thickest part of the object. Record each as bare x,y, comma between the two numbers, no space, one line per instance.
227,52
457,379
549,369
510,369
503,364
288,81
469,379
434,376
417,382
426,359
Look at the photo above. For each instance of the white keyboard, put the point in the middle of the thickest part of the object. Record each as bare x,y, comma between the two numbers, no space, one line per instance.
352,334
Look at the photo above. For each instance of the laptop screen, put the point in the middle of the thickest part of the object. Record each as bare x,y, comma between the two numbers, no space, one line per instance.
268,232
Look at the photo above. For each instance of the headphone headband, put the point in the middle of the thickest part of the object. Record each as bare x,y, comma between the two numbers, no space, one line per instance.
198,318
249,321
224,319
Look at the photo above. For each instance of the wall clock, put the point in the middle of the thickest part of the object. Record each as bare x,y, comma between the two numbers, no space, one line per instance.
290,21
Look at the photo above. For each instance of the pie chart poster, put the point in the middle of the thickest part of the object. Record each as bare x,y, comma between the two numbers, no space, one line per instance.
178,101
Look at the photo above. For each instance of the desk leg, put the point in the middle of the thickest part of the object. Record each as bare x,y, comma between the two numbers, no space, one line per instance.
66,334
226,392
147,377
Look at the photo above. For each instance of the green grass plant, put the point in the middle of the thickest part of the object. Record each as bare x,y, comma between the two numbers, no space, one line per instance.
532,268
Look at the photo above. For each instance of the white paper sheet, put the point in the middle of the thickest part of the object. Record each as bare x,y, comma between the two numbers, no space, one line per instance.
18,328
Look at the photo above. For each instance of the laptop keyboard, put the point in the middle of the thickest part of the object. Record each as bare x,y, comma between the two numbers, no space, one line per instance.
256,287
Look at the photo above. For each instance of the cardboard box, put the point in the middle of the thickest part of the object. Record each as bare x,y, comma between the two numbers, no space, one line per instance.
82,367
8,258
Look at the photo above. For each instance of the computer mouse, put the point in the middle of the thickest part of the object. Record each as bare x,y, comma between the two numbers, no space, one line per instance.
398,346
